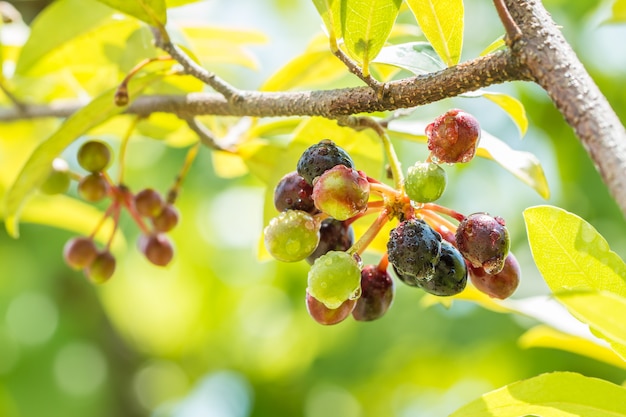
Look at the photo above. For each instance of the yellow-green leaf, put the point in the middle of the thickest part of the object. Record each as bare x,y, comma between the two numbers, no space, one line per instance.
557,394
47,34
149,11
548,337
366,26
34,172
442,24
603,311
571,254
330,12
494,46
512,106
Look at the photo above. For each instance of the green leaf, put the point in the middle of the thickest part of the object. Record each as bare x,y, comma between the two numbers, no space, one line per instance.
330,12
177,3
149,11
442,24
603,311
557,394
548,337
619,11
416,57
34,172
571,254
512,106
523,165
494,46
48,35
366,26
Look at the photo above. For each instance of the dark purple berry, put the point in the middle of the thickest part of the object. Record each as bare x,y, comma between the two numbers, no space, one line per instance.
293,193
453,137
450,275
501,285
321,157
79,252
414,248
334,235
324,315
484,241
376,294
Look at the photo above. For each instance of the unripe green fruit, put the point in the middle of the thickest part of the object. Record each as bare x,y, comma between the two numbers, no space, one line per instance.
334,278
102,268
292,235
94,156
425,182
58,180
341,192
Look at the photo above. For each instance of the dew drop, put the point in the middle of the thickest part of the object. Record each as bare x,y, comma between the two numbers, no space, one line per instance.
292,246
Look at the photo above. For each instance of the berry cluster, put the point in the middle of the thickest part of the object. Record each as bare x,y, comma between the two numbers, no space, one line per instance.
319,201
154,215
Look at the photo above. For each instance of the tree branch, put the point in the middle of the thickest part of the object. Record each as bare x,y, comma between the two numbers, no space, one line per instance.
555,67
410,92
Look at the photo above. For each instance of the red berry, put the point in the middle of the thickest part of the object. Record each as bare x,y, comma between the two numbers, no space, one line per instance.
324,315
79,252
157,249
148,202
453,137
500,285
166,220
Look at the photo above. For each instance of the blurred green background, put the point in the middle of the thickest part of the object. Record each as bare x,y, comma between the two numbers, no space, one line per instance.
219,333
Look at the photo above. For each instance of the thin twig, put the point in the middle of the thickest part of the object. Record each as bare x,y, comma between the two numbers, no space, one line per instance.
513,32
205,135
354,68
16,102
195,70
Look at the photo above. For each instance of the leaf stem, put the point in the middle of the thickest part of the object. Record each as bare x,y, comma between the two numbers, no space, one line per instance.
124,146
172,194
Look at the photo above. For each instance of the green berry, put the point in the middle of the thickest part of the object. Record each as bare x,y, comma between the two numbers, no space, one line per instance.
341,192
94,156
93,187
334,278
425,182
58,181
292,235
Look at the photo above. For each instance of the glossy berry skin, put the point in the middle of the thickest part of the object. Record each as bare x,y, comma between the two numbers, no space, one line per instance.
79,252
414,249
501,285
409,280
377,290
58,180
166,220
94,156
102,268
148,202
293,193
326,316
321,157
450,275
156,248
453,137
341,192
484,241
334,235
93,187
334,278
292,235
425,182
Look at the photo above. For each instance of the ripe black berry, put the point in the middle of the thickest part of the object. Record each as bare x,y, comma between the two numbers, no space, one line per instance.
293,193
376,294
334,235
501,285
414,249
321,157
484,241
450,275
